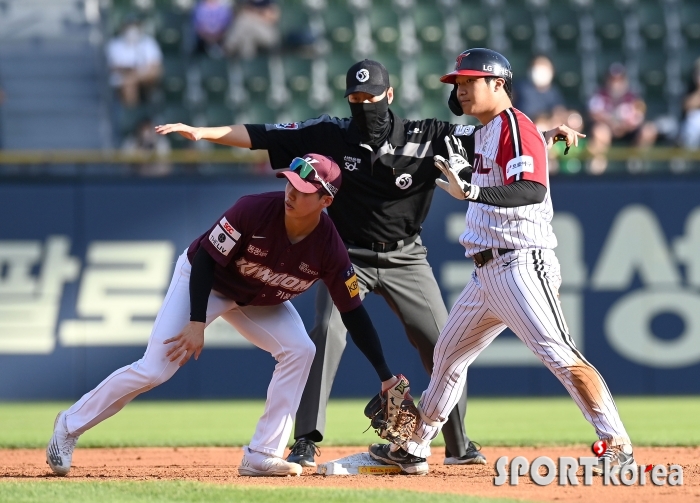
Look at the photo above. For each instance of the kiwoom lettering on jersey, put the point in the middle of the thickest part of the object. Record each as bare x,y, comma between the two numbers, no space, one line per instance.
267,276
304,267
351,162
257,251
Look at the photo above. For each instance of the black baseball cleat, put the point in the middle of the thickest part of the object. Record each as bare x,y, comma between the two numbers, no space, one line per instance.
303,451
472,457
409,464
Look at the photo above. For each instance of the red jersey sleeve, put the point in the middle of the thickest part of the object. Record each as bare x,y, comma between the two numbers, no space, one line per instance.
224,239
339,275
522,153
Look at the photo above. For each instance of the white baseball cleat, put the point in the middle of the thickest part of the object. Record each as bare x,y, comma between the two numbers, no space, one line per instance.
618,457
59,452
259,464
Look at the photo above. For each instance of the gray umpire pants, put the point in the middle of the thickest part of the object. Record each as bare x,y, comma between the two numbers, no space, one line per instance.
405,279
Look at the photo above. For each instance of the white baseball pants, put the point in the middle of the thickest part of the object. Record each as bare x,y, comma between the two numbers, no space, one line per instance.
276,329
518,290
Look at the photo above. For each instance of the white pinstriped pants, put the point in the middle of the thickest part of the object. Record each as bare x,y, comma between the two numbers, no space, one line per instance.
276,329
518,290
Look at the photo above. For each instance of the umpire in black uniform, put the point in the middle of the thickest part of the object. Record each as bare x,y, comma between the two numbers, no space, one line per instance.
388,184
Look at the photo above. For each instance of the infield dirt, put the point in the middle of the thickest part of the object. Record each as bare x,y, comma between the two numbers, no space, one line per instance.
218,465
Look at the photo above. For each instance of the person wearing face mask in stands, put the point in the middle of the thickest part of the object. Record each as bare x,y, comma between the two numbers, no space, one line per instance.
618,117
388,184
135,62
538,96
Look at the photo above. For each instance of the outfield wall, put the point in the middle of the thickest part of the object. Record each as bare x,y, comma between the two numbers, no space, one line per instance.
84,266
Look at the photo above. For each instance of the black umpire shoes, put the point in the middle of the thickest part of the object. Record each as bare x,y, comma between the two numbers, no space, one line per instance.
303,452
409,464
472,457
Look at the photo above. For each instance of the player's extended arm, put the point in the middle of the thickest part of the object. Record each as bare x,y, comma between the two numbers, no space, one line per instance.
233,136
365,337
190,340
562,132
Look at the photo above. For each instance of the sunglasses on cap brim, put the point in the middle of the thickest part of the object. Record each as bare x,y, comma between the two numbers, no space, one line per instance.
307,172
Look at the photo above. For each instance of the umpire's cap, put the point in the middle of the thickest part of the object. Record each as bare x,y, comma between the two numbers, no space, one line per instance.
367,76
480,62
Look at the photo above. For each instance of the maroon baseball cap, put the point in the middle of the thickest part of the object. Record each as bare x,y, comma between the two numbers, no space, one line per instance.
314,173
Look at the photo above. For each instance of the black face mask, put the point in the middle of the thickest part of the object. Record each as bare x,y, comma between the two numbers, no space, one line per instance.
372,120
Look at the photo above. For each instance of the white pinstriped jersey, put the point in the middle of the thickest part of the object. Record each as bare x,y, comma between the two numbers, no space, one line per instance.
507,149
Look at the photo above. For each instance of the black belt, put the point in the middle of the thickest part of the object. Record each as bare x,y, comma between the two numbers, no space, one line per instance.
481,258
385,247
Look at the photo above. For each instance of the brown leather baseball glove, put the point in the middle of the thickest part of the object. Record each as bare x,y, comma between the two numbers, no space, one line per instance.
393,414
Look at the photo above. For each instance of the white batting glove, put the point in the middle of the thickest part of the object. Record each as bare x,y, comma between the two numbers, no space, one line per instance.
455,186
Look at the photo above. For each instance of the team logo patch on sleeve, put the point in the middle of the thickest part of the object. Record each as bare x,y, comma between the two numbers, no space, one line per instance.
229,229
521,164
351,281
349,272
353,286
221,240
287,125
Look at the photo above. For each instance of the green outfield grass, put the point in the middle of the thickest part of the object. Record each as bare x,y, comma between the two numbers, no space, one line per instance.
522,421
175,491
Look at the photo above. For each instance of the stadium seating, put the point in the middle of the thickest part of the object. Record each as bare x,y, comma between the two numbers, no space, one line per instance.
214,78
626,31
690,22
563,25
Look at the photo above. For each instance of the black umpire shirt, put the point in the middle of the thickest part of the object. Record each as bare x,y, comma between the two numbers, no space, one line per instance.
385,195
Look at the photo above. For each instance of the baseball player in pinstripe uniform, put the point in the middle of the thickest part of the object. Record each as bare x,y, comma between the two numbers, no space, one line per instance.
516,280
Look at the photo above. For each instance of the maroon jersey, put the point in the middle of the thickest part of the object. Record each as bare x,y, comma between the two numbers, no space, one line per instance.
258,266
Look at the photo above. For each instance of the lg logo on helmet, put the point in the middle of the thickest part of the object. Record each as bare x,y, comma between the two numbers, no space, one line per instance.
497,70
362,75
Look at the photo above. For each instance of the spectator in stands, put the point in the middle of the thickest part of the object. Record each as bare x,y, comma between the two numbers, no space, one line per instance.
618,116
690,132
255,27
211,19
135,62
538,96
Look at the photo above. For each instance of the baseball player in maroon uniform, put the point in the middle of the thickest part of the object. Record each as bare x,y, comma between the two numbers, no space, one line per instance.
263,251
516,279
